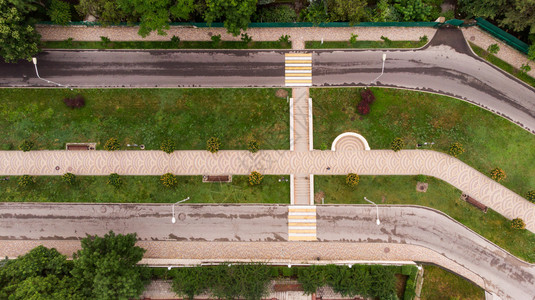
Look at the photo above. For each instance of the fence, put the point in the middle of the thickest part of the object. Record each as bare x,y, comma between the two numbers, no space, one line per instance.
502,35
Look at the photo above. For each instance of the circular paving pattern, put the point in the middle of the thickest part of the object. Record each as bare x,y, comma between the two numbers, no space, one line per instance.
350,141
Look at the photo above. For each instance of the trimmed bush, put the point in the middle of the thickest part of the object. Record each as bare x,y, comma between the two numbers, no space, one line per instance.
493,49
284,39
253,146
26,181
26,146
424,39
421,178
213,144
498,174
367,96
518,224
168,146
115,180
531,196
363,108
353,38
216,39
456,149
77,101
246,38
397,144
352,179
175,39
112,144
169,180
255,178
69,178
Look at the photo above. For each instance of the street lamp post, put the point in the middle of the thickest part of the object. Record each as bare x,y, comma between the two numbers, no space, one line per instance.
382,70
377,207
173,219
34,59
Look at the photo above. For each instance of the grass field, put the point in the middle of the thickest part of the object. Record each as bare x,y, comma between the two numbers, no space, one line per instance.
363,44
440,196
189,117
165,45
489,140
146,189
440,284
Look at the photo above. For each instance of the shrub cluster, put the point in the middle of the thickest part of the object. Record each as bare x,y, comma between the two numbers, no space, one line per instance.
498,174
456,149
367,98
531,196
518,224
213,144
168,146
115,180
253,146
397,144
255,178
26,181
69,178
26,146
77,101
352,179
169,180
112,144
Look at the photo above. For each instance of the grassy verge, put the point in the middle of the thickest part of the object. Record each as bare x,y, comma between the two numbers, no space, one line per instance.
440,284
440,195
489,140
363,44
502,65
165,45
145,116
146,189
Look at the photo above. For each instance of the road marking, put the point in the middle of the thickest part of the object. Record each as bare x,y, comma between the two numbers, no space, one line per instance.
298,69
302,223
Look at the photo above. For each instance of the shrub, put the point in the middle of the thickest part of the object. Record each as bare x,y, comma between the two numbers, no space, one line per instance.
353,38
216,38
324,146
69,178
424,39
112,144
168,146
493,49
169,180
385,39
367,96
525,68
59,12
115,180
253,146
26,146
105,39
456,149
255,178
352,179
246,38
498,174
421,178
75,102
276,14
285,39
175,39
26,181
363,108
213,144
518,223
531,196
397,144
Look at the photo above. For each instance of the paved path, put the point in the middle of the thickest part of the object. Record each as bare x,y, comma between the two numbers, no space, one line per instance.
373,162
437,237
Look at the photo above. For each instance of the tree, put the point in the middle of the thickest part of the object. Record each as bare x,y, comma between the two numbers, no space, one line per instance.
311,278
59,12
383,282
352,11
191,282
18,38
235,14
105,267
414,10
520,15
107,11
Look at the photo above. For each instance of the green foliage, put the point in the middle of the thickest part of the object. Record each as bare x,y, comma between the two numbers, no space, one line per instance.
26,181
169,180
107,12
115,180
26,146
255,178
112,144
105,40
352,11
493,49
324,146
498,174
311,278
275,14
414,10
456,149
531,196
384,282
397,144
353,38
424,39
18,38
284,39
253,146
236,15
421,178
352,179
69,178
168,146
216,39
531,53
213,144
246,38
514,14
384,12
315,12
59,12
175,39
518,224
191,282
385,39
105,267
525,68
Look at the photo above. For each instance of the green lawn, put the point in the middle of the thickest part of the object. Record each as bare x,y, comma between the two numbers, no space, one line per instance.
146,189
363,44
440,196
165,45
503,65
145,116
489,140
440,284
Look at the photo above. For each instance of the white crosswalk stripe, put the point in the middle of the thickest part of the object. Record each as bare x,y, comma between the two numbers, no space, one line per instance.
302,223
298,69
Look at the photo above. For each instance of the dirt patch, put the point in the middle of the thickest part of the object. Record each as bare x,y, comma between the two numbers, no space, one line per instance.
281,93
318,196
401,282
421,187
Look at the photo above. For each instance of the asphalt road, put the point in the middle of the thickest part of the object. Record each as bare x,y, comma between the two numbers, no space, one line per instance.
504,274
445,66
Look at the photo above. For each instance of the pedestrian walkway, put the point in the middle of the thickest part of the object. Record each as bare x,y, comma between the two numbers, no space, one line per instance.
302,223
298,69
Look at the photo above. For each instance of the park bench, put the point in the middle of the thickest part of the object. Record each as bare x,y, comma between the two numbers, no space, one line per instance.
80,146
217,178
474,202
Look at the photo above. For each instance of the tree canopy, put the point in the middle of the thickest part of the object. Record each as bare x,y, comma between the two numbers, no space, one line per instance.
235,14
18,38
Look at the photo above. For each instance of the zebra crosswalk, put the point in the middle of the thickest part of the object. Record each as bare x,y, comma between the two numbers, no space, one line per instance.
298,69
302,223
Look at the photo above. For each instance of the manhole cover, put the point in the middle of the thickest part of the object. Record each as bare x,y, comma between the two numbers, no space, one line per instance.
57,168
181,216
387,250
